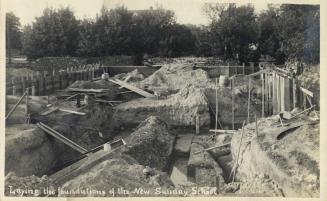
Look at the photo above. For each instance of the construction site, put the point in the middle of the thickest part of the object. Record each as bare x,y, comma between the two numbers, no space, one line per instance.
178,128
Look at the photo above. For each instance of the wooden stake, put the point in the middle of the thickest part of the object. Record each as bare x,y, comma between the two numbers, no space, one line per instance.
197,124
256,126
27,101
249,99
14,108
263,95
216,122
233,120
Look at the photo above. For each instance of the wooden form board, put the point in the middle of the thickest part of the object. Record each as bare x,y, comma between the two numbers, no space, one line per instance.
61,138
132,88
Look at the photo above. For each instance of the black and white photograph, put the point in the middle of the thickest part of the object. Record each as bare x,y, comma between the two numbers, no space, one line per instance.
161,98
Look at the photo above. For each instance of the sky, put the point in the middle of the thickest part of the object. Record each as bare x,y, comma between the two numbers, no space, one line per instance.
186,11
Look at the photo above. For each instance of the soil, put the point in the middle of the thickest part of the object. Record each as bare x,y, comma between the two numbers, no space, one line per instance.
177,110
151,144
292,155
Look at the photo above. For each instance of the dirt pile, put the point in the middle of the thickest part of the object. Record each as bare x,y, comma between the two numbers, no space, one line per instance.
177,110
151,144
310,79
132,76
289,154
29,151
31,186
240,93
116,173
174,77
99,84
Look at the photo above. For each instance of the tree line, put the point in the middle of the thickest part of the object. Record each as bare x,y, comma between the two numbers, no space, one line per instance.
235,32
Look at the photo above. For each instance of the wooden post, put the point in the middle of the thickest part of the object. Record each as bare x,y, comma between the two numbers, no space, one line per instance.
249,99
33,90
287,97
294,94
243,66
197,124
44,85
282,94
93,73
256,126
23,84
52,83
304,101
263,95
14,92
233,120
216,120
60,80
27,102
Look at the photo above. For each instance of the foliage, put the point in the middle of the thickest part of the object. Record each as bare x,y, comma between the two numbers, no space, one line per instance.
235,32
299,32
52,34
13,32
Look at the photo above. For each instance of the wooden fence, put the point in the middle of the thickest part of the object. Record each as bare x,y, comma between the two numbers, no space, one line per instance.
46,84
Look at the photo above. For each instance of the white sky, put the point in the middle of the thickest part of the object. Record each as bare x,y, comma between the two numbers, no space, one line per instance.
186,11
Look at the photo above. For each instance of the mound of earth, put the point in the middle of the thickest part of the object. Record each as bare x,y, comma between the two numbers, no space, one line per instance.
179,109
99,84
114,174
174,77
310,79
132,76
29,150
288,154
151,144
34,184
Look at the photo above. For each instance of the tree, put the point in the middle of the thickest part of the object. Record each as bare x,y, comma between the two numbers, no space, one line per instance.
87,39
268,40
152,27
234,30
299,32
13,34
113,30
179,41
53,34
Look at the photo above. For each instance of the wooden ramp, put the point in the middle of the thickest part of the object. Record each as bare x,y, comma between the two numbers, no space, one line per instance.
61,138
132,88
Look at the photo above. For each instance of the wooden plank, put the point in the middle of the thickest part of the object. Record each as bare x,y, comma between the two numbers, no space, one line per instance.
88,90
133,88
53,109
249,101
306,91
60,137
215,147
216,119
72,112
233,114
257,73
222,131
287,94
